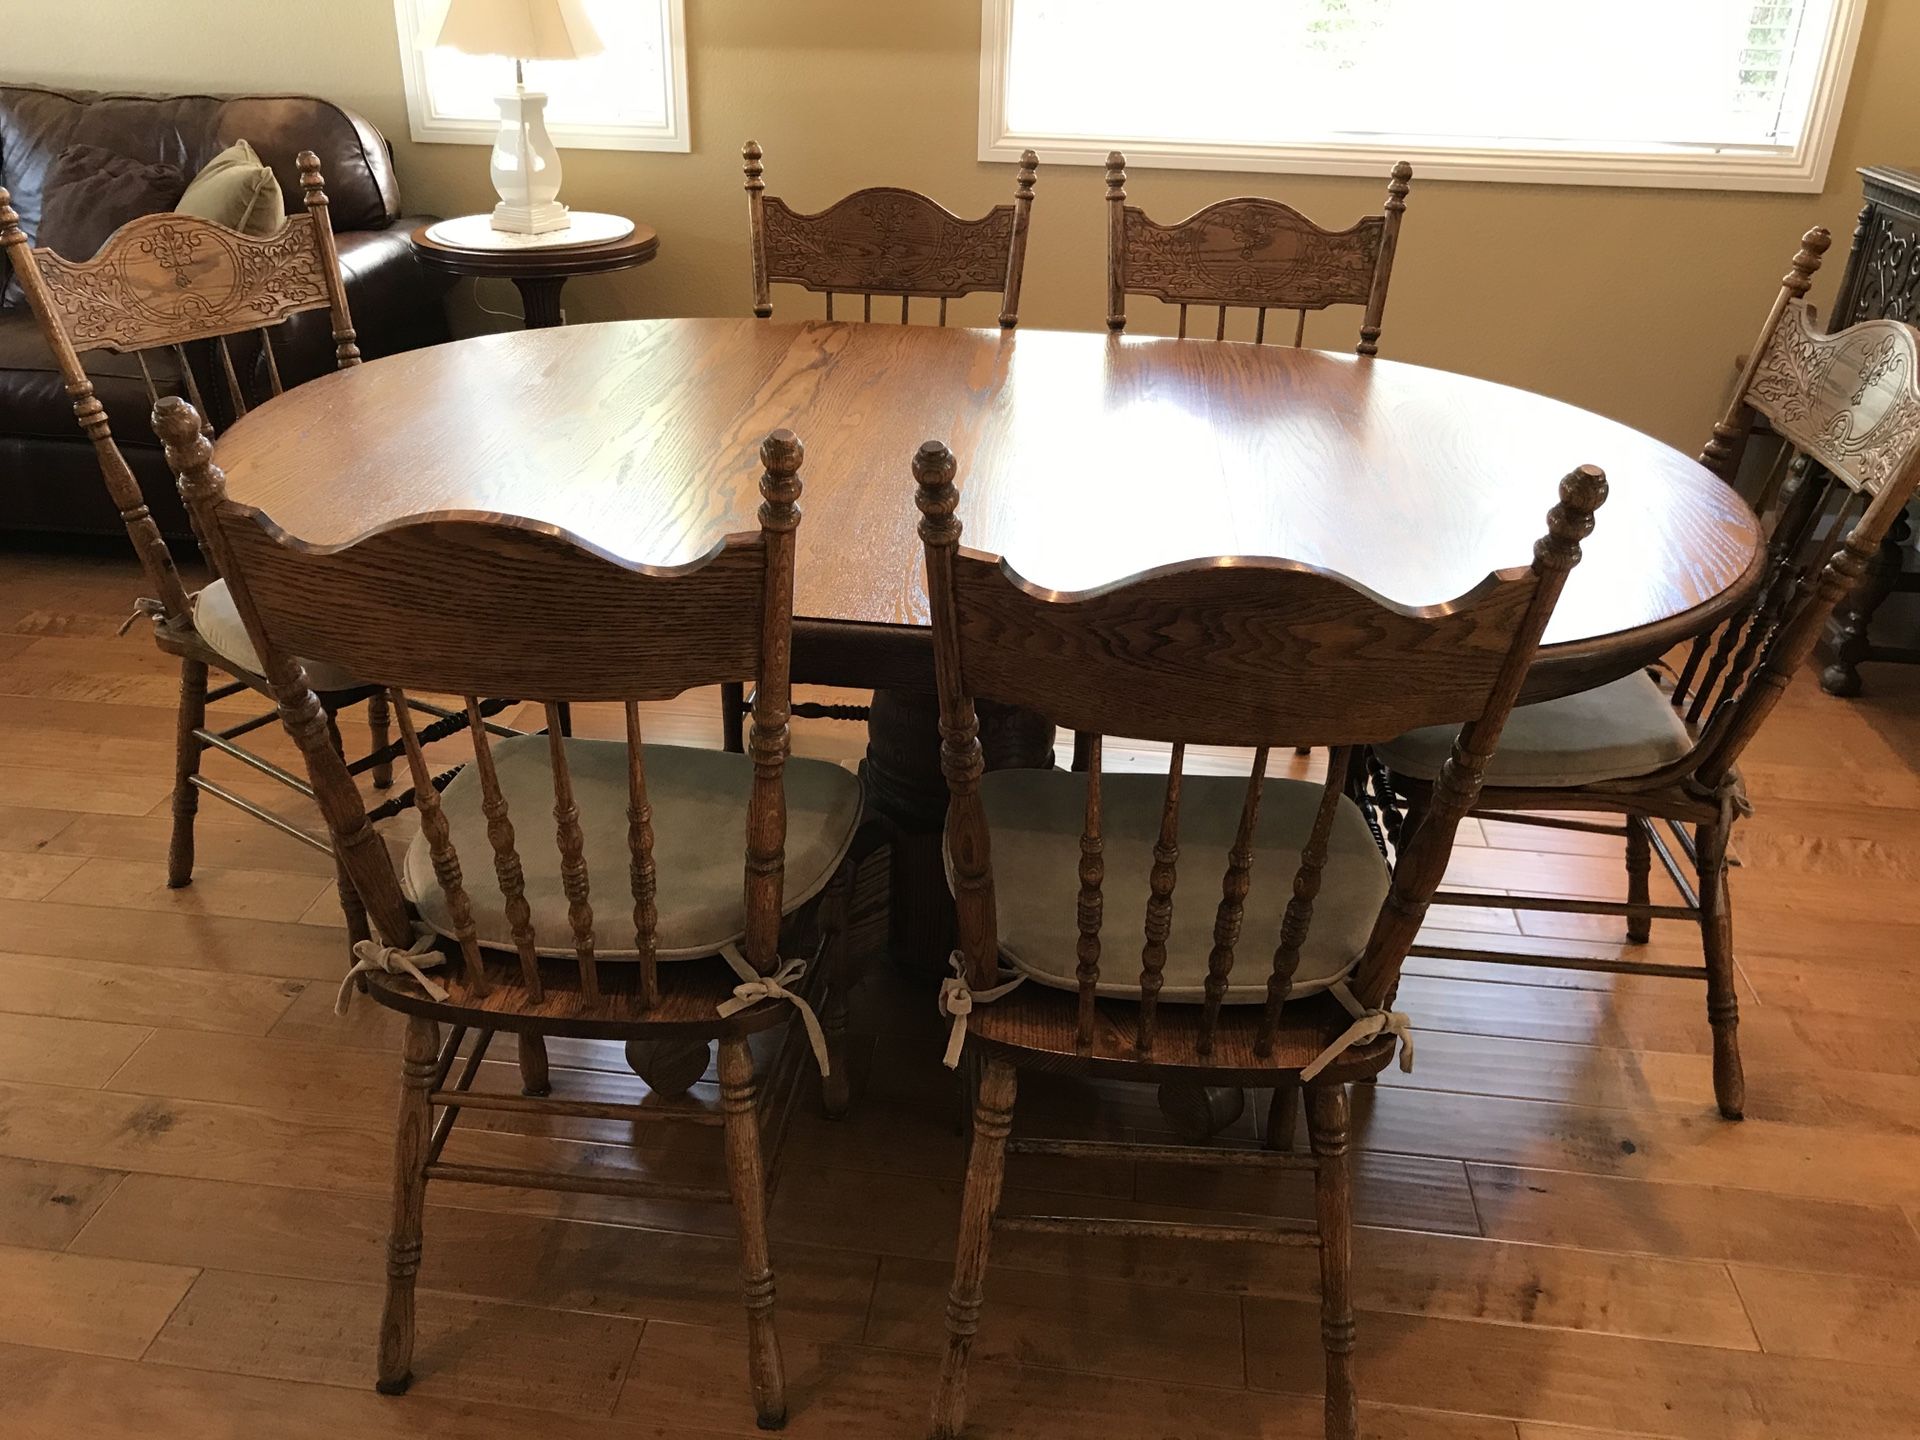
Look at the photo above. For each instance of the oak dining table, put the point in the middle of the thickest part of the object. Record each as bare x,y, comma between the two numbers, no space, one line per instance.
1084,459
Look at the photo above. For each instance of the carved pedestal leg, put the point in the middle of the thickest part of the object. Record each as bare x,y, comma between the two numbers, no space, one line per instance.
1723,1003
534,1079
986,1167
409,1202
540,300
1639,867
1846,641
1197,1112
186,765
1333,1203
670,1067
766,1378
905,787
379,736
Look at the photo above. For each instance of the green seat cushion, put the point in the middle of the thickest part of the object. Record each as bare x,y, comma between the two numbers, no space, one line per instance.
1034,820
236,190
1614,731
699,800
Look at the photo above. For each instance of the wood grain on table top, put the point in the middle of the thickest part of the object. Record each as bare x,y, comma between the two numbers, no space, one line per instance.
1083,459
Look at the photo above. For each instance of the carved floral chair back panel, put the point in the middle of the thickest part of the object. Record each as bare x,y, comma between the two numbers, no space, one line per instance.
1252,253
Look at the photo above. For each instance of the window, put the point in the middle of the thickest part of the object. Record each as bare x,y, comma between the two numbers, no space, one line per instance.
1720,94
631,96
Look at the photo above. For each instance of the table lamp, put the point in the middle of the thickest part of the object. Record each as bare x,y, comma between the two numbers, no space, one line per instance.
525,164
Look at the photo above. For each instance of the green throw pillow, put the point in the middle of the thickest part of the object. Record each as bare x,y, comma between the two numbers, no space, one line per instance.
236,190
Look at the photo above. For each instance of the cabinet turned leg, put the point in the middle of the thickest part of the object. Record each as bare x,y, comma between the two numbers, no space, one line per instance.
766,1377
411,1139
986,1167
1327,1126
1846,642
186,765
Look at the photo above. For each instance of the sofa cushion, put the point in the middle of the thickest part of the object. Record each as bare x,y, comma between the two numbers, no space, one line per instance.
34,403
92,192
234,189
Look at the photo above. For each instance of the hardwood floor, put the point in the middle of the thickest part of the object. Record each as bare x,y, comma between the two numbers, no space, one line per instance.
1559,1239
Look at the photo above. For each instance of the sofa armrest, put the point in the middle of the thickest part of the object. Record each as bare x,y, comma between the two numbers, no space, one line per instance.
397,304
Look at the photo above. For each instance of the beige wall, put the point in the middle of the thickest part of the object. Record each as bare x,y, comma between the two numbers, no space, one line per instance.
1629,302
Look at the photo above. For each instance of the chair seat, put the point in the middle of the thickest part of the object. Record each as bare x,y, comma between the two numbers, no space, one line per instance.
217,619
1042,1021
1034,820
699,800
1613,732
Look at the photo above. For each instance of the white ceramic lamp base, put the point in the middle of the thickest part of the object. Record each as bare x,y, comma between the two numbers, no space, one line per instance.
526,168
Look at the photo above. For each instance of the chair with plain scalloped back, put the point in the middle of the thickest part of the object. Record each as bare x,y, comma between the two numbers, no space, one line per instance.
1252,654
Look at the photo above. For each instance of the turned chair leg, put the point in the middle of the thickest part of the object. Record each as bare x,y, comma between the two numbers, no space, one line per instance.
379,736
186,765
1723,1003
766,1377
1639,867
1283,1113
733,717
1333,1202
534,1080
986,1166
409,1202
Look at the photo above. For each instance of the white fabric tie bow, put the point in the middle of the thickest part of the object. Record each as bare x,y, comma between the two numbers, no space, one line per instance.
1367,1025
755,987
371,955
957,1002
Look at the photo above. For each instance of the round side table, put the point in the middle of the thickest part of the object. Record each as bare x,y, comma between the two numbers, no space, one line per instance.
538,265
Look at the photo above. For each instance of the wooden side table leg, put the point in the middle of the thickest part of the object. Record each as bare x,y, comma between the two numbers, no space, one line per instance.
540,299
1847,642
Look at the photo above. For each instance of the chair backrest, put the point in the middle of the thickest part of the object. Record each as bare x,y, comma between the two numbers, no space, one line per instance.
889,242
1846,406
161,283
1241,652
1253,254
479,605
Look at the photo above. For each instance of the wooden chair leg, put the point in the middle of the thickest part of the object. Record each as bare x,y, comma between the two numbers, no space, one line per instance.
1723,1003
766,1377
186,765
1639,867
733,717
379,736
1327,1124
986,1167
534,1079
409,1202
1283,1113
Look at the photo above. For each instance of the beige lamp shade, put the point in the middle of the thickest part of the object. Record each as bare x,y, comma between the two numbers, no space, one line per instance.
519,29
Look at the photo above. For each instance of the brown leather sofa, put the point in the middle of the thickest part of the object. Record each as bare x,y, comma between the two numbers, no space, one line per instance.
49,480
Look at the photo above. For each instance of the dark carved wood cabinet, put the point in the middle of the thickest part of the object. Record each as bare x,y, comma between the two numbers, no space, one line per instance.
1882,280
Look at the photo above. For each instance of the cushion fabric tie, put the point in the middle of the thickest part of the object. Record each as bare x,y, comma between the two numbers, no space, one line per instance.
755,987
371,955
957,1002
151,609
1367,1025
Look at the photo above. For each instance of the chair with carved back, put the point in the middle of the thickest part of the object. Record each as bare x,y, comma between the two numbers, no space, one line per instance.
636,916
888,242
198,304
1255,254
1245,653
1847,409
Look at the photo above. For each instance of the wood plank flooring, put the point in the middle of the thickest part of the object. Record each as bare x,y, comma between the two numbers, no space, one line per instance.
1559,1240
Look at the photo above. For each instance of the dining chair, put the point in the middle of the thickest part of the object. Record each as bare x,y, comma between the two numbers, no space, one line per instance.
1846,406
183,295
889,242
1248,653
1252,253
685,941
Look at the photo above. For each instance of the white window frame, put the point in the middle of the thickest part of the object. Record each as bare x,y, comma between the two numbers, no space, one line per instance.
427,125
1801,168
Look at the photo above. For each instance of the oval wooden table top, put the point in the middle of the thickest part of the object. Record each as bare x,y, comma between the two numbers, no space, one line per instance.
1084,458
